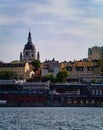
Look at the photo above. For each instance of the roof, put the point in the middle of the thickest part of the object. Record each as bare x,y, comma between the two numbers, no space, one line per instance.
12,64
29,46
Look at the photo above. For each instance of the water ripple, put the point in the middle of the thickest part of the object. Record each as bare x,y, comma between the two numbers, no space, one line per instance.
51,118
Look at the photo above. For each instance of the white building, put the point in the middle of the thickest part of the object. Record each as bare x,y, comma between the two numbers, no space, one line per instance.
50,67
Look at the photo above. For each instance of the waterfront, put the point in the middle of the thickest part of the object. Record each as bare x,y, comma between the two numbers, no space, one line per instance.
46,118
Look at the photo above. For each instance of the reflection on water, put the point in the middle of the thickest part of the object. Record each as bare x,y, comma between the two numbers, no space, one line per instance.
51,118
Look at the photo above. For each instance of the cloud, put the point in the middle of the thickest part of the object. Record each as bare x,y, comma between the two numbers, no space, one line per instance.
7,20
57,26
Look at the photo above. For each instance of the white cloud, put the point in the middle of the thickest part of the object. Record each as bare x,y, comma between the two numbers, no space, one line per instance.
7,20
60,26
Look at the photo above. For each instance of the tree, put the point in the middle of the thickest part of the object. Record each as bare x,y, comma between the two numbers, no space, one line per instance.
100,63
36,64
36,69
94,81
8,75
48,77
62,75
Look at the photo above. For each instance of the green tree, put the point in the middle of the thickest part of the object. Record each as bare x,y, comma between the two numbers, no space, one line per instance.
36,68
62,75
8,75
48,77
100,63
36,64
30,80
94,81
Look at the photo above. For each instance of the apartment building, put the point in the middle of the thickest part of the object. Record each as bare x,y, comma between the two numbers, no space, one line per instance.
21,68
95,53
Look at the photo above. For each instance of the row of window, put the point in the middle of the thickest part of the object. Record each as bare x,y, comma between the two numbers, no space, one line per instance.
97,92
80,68
12,65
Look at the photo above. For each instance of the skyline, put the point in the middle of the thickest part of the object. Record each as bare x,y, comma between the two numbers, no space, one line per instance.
60,29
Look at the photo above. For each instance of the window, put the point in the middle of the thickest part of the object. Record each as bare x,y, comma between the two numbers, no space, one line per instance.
32,55
26,53
97,92
100,92
93,91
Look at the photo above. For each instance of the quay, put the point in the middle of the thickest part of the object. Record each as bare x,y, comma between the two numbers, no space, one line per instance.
45,94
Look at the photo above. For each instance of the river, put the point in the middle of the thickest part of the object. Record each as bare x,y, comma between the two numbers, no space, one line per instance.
51,118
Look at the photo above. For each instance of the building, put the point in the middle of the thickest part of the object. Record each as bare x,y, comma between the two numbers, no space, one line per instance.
50,67
82,70
29,51
21,68
95,53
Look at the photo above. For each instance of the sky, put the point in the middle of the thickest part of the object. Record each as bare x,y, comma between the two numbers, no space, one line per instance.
60,29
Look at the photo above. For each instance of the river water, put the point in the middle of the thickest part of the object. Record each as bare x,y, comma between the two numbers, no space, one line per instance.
60,118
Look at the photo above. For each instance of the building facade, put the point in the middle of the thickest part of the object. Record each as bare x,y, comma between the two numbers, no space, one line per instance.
50,67
22,69
82,70
95,53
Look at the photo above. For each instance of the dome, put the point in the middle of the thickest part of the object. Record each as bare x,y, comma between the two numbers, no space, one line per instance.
29,46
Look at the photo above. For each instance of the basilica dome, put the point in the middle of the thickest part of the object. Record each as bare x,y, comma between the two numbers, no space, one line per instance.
29,46
29,51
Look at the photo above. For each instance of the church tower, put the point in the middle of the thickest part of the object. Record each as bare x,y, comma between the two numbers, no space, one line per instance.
29,52
38,56
21,57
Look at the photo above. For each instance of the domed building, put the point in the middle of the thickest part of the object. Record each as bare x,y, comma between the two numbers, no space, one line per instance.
29,52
